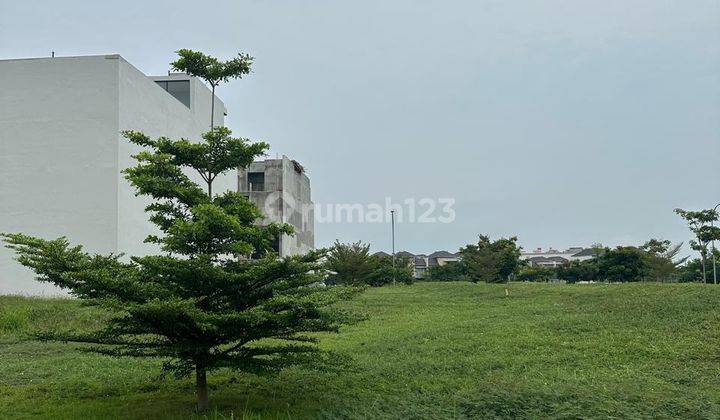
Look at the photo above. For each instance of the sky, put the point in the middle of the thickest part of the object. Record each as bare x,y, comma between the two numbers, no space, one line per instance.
564,123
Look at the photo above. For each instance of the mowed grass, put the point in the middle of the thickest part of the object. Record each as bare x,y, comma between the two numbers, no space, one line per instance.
431,350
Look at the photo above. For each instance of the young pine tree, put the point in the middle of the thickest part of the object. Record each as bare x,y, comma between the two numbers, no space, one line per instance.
202,304
212,70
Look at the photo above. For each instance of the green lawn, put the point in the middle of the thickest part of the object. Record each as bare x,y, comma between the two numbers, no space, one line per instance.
431,350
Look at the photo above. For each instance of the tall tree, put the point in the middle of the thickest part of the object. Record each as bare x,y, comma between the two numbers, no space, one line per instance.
353,264
452,271
661,260
202,304
349,263
387,271
700,224
491,261
212,70
622,264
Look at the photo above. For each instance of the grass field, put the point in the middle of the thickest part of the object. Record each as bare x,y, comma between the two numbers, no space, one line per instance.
431,350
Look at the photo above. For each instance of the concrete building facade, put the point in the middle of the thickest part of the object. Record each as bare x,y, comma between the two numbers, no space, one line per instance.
281,190
62,152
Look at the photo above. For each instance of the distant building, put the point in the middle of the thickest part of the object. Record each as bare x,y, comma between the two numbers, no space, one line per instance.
555,258
440,258
382,254
422,262
281,190
538,258
62,151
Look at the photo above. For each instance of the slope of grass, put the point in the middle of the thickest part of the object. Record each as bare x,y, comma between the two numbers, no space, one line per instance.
432,350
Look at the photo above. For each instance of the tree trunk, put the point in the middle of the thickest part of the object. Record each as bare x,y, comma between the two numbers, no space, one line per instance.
703,268
202,389
212,109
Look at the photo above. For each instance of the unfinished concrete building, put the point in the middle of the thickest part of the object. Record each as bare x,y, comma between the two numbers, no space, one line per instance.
281,190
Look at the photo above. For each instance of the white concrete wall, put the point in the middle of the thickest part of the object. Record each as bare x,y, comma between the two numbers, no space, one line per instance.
61,153
58,156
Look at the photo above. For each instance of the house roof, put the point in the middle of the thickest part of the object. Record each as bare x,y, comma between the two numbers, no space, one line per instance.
545,259
442,254
381,254
587,252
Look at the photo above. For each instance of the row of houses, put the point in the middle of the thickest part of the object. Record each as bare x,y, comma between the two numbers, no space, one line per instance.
423,262
537,258
554,258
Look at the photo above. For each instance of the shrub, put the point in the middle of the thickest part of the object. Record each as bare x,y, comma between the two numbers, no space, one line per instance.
492,262
353,264
452,271
691,272
624,263
528,273
350,263
576,271
384,273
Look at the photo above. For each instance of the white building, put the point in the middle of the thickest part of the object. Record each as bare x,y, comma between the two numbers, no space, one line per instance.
61,151
554,258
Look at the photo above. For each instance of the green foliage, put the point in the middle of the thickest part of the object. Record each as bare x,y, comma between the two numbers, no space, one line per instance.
701,225
653,261
210,69
349,263
656,246
451,271
576,271
431,351
660,260
528,273
690,272
384,273
623,264
352,264
202,304
491,262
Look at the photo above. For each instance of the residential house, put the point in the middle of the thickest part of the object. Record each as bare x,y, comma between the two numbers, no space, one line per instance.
555,258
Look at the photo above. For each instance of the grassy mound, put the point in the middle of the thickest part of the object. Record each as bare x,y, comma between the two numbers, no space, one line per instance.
431,350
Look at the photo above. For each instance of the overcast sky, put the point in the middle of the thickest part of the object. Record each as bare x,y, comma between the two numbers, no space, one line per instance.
562,122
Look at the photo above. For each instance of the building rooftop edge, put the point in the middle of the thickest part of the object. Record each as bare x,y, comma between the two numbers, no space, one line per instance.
109,56
116,56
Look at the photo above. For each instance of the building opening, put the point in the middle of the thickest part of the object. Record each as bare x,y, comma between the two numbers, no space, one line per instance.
256,181
179,89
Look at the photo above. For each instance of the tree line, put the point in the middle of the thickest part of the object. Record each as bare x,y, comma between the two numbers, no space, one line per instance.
498,261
